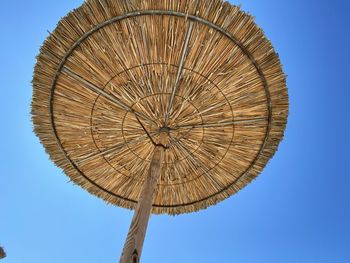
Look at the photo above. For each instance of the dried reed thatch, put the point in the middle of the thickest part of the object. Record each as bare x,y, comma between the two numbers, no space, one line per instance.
114,72
2,253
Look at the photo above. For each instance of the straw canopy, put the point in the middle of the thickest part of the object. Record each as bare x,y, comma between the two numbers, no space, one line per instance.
2,253
115,75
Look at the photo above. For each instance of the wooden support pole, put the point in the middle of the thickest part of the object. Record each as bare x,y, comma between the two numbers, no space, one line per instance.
137,231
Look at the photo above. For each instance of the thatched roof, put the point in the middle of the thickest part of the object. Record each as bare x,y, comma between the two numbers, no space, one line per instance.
114,72
2,253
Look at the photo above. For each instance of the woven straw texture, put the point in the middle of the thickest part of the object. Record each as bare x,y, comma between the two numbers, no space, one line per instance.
114,74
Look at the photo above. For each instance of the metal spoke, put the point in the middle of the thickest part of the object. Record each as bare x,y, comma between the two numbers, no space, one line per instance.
204,111
179,71
100,91
218,124
111,149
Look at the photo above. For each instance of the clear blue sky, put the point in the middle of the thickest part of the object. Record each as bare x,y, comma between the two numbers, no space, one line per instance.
297,211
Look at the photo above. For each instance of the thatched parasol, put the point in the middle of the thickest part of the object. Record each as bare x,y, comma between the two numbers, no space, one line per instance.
159,106
2,253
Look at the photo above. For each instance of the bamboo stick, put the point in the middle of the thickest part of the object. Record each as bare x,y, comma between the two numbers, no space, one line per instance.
179,72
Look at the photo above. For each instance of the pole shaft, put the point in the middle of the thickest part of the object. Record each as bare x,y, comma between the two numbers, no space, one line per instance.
137,231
